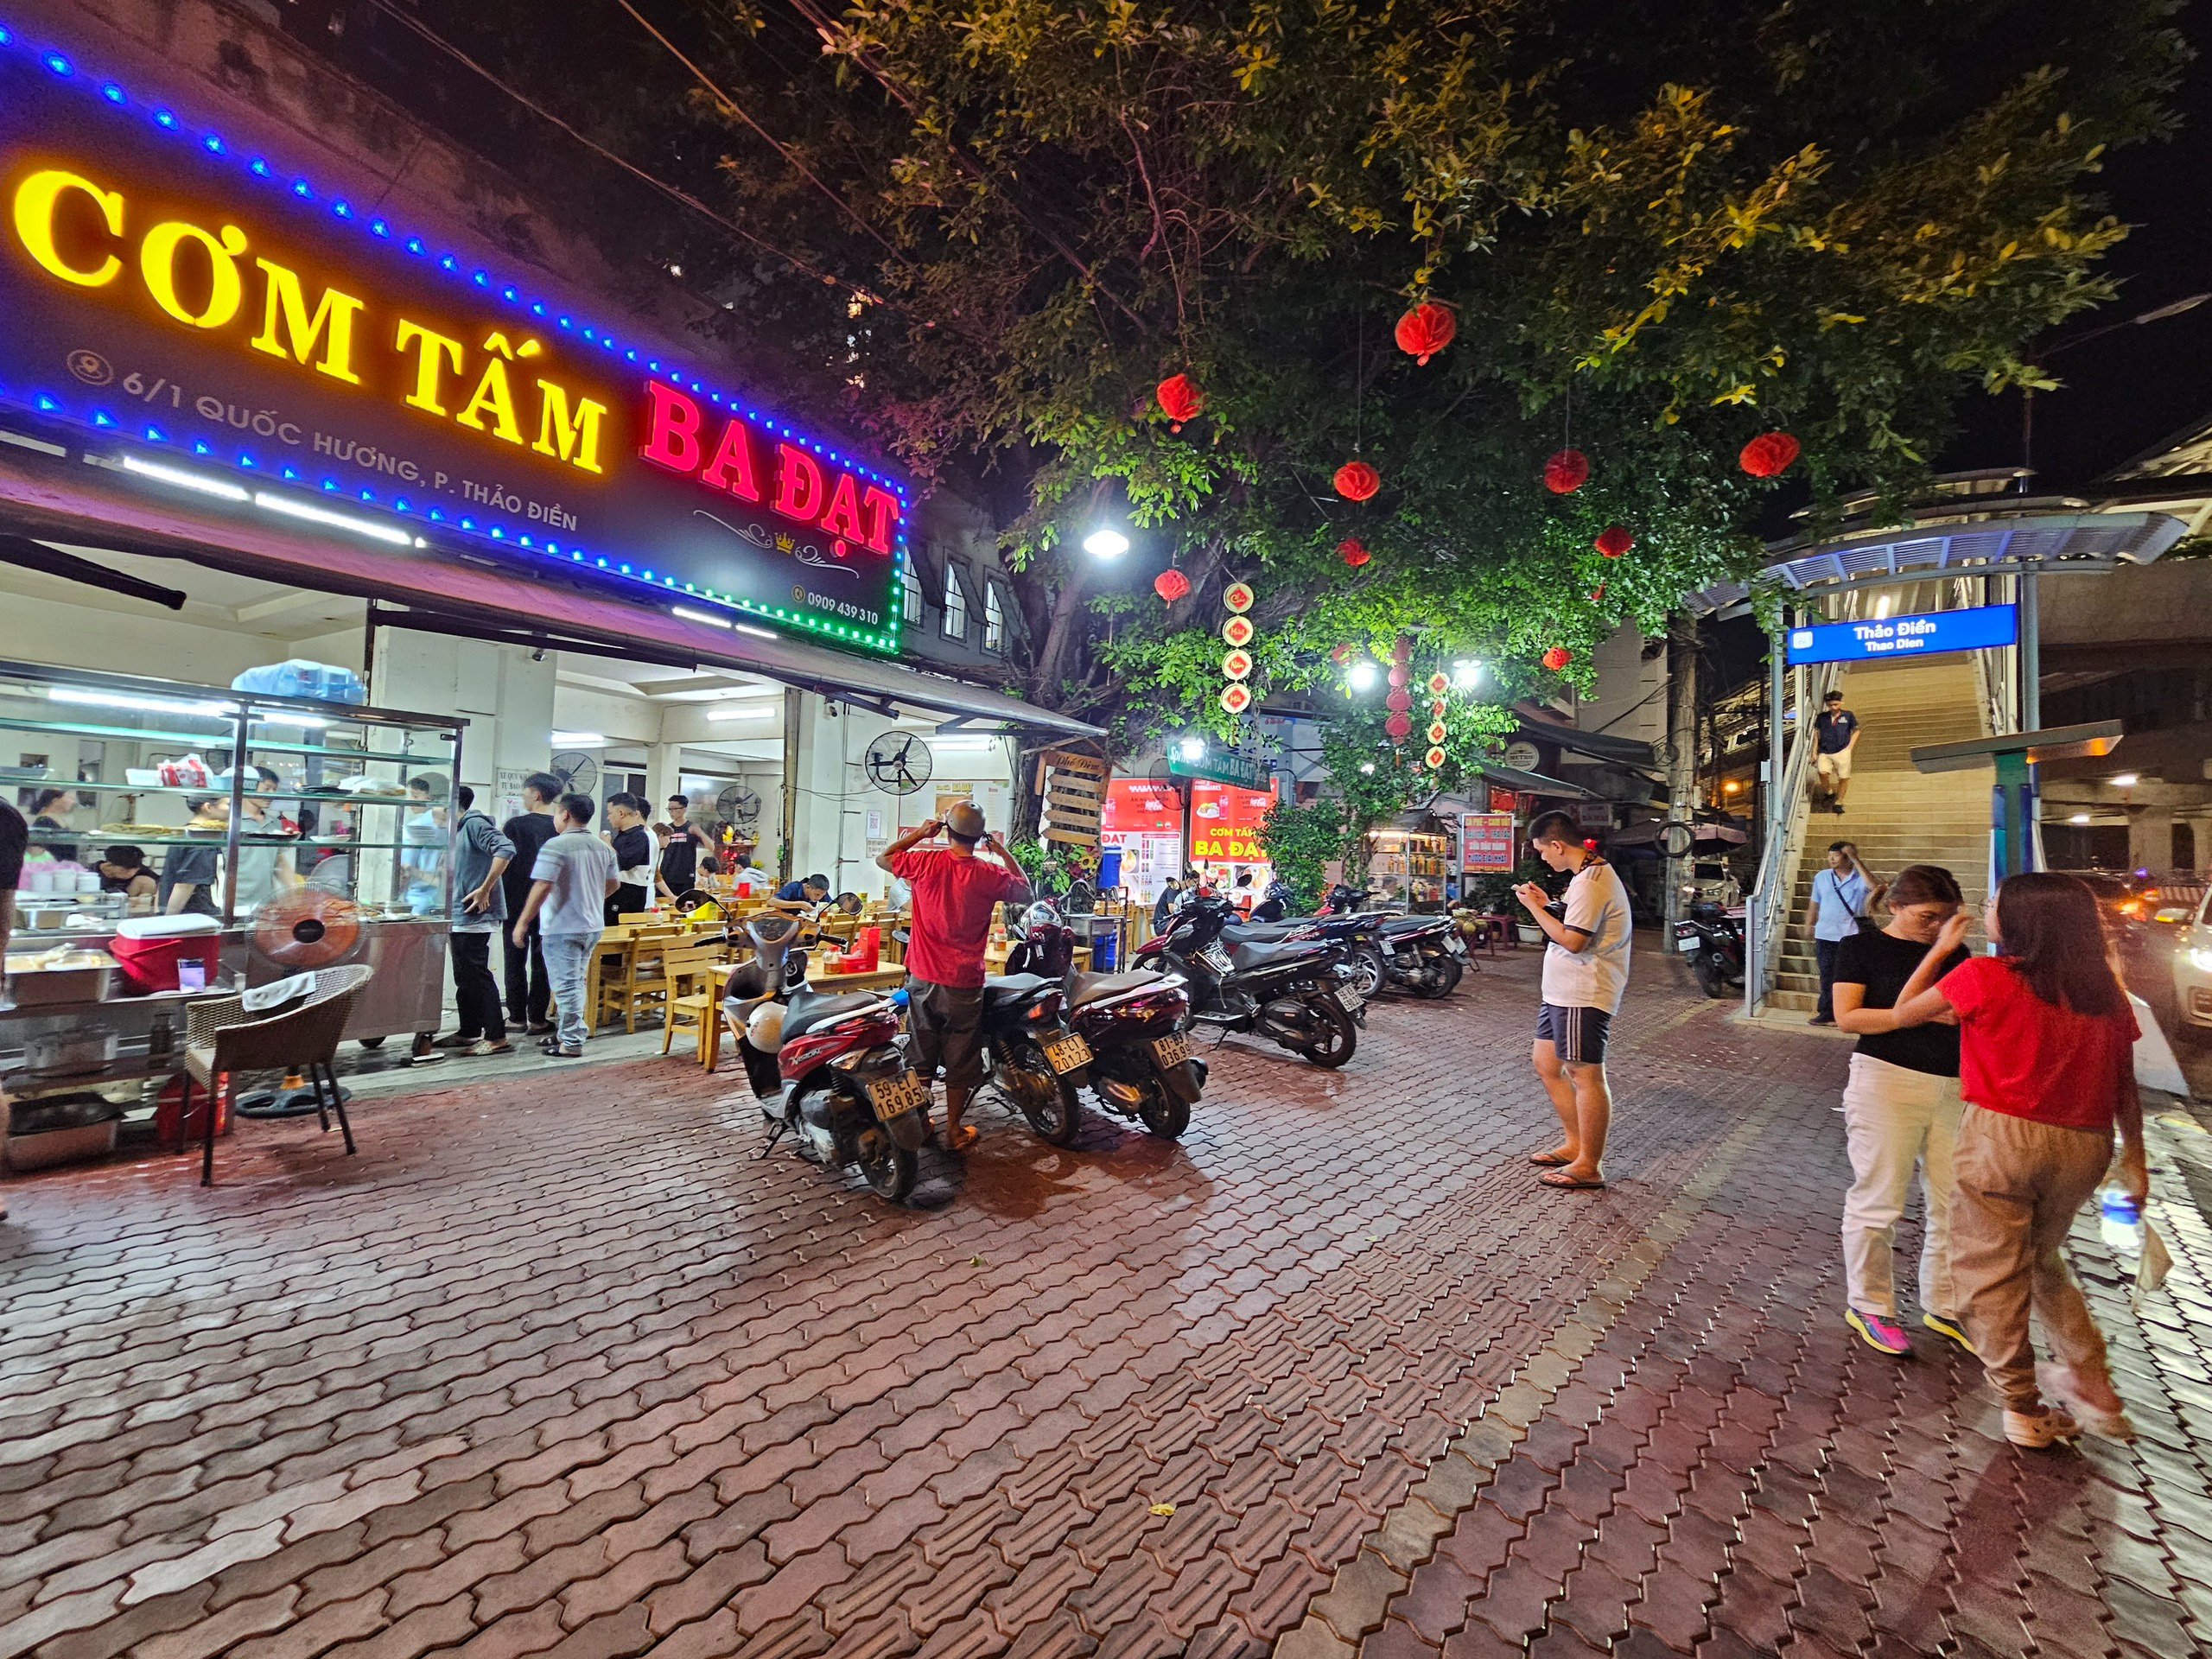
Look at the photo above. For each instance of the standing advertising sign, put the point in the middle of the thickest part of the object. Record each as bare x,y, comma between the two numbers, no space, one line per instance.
1144,821
1485,843
1225,823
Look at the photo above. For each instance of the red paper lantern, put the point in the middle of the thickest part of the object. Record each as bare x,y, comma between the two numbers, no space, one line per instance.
1170,585
1613,541
1357,481
1398,725
1564,471
1402,652
1181,398
1354,551
1399,701
1767,453
1426,330
1558,658
1398,677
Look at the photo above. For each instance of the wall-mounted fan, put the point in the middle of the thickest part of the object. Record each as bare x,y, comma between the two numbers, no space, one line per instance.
738,806
579,773
900,763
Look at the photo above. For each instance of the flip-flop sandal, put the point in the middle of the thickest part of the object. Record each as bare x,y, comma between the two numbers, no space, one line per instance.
962,1138
1548,1160
1568,1184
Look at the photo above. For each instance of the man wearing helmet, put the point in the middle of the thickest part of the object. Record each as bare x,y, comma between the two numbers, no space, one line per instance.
954,894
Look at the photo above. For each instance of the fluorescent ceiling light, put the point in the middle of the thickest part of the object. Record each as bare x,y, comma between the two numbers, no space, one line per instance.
743,711
183,479
758,634
707,617
578,739
2079,817
313,514
953,745
148,705
2125,780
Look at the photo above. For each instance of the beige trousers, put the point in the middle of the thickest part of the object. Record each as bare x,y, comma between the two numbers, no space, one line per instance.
1895,1119
2020,1184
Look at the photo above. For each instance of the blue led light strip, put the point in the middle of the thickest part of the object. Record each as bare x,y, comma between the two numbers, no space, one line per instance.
379,227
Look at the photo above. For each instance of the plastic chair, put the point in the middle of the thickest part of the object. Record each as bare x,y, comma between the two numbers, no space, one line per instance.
221,1036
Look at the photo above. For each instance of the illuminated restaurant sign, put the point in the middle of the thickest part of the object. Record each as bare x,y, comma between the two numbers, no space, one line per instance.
222,328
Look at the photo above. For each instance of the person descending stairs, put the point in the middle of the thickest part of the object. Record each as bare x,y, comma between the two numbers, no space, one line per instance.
1896,815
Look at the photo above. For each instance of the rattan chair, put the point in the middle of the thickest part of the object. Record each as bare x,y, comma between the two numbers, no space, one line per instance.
221,1036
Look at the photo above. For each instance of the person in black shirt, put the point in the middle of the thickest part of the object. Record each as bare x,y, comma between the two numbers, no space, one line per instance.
187,886
1836,734
807,890
682,853
633,855
530,993
1901,1107
49,807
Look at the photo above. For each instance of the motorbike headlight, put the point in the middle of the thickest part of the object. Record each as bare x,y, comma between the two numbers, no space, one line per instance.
2201,961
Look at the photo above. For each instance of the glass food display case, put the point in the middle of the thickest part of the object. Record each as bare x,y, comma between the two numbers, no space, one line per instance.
305,833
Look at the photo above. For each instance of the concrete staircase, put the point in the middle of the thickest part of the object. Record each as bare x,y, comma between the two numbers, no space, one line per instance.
1896,815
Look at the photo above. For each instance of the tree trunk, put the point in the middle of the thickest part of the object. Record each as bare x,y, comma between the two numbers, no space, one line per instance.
1681,749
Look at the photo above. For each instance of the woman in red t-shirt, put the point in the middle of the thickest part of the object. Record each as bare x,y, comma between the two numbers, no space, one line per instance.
2046,1067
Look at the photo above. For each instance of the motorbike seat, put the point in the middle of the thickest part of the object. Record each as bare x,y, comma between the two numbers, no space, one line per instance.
1092,987
805,1013
1259,932
1002,990
1263,955
1394,926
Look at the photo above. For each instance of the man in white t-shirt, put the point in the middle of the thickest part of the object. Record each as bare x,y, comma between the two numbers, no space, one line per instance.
1585,972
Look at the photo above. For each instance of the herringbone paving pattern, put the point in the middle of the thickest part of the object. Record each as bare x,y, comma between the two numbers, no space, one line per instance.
558,1367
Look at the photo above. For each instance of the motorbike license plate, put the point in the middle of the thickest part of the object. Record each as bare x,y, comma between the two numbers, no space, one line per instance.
1458,945
1064,1054
903,1093
1688,943
1172,1050
1349,1000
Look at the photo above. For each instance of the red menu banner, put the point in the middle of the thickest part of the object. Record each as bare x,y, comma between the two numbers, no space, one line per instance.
1138,806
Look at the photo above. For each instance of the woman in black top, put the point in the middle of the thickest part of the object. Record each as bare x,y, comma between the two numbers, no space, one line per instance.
1901,1107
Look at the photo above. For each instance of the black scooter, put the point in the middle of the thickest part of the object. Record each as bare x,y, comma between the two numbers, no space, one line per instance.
1712,937
1300,993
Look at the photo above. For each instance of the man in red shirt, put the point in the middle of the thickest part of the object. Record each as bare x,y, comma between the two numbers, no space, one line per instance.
953,894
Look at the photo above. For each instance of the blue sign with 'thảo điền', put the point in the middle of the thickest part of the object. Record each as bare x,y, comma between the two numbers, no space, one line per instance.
1923,635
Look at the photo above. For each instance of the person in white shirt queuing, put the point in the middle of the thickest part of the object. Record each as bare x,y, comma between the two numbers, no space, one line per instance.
1586,973
569,885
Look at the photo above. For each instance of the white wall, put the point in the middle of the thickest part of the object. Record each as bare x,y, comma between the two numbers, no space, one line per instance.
506,698
1629,700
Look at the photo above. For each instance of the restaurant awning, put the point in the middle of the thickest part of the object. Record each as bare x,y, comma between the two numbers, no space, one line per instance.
1533,783
443,591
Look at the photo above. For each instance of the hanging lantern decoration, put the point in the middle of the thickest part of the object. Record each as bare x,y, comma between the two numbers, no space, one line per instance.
1355,480
1402,652
1238,664
1353,551
1558,658
1768,455
1399,701
1235,697
1426,330
1437,731
1438,685
1238,598
1237,631
1434,757
1341,655
1613,541
1181,399
1565,470
1170,585
1398,726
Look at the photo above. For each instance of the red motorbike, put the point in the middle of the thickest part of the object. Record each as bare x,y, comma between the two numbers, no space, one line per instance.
830,1069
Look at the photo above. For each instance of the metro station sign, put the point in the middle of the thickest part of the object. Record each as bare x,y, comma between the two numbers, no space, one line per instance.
1926,634
221,327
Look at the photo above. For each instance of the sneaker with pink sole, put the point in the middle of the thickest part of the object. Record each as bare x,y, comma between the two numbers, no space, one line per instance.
1885,1334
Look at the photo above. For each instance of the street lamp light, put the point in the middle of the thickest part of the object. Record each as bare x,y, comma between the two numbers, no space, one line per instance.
1106,543
1361,677
1192,748
1466,672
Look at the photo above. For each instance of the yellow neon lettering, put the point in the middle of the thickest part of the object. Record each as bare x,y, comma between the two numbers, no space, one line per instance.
157,265
577,443
431,352
333,313
493,394
36,198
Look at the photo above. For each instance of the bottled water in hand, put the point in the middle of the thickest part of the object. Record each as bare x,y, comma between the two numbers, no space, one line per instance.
2120,1221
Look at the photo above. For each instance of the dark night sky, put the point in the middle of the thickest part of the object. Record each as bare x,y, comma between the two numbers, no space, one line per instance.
2128,390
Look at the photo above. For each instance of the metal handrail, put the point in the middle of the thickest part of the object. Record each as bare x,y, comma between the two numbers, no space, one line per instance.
1766,914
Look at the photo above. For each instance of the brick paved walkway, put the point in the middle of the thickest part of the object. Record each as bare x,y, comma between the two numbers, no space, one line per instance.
565,1370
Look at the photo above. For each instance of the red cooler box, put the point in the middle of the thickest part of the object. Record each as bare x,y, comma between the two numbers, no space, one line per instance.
150,965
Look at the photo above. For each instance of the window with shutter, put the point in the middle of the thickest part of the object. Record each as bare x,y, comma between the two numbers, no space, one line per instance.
994,619
910,598
956,604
